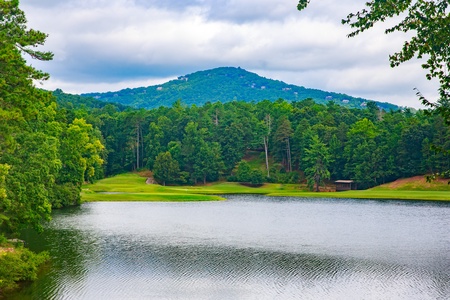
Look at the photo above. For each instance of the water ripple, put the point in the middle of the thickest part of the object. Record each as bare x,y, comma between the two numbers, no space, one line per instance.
247,249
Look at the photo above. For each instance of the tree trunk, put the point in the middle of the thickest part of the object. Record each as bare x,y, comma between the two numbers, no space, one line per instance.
266,146
266,143
137,147
142,146
288,155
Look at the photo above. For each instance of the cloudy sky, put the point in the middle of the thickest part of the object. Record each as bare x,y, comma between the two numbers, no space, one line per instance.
108,45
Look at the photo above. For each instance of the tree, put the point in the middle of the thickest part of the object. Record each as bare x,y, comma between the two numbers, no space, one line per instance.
316,161
13,32
359,153
166,169
81,155
261,138
410,147
268,125
28,131
34,167
190,147
232,141
243,173
336,149
154,143
428,21
256,177
208,162
3,172
282,138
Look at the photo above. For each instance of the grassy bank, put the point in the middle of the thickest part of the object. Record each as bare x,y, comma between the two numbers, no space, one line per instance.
132,187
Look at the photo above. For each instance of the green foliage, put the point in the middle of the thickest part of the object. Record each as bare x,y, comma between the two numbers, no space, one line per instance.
256,177
13,32
209,164
33,170
65,194
316,162
77,102
243,173
428,25
42,158
28,143
370,146
223,84
281,145
17,265
3,172
166,169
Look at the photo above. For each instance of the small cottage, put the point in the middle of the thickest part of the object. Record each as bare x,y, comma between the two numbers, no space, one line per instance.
345,185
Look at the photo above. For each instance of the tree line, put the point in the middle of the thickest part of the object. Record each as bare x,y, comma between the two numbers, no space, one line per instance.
296,141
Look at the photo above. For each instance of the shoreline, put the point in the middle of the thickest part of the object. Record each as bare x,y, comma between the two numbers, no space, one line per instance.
132,187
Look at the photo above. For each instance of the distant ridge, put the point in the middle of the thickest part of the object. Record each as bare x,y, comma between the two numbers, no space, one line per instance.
225,84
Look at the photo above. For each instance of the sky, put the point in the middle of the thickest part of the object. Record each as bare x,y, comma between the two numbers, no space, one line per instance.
108,45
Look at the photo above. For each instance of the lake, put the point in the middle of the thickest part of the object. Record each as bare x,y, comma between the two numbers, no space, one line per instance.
248,247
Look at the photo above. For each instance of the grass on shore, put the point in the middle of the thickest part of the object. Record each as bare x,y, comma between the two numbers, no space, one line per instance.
132,187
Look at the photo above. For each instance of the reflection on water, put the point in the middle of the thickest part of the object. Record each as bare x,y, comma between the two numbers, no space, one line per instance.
247,248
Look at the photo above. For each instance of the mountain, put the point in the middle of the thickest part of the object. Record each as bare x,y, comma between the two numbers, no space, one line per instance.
224,84
70,101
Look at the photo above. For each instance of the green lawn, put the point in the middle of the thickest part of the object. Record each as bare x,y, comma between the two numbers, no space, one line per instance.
132,187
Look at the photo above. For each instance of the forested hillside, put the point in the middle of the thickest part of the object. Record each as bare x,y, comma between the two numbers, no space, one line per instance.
303,140
224,85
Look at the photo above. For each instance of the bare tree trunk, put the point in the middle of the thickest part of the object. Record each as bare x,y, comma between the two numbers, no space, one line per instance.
216,121
266,146
137,146
266,143
288,154
142,146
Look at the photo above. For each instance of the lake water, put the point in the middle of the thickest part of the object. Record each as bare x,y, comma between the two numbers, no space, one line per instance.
248,247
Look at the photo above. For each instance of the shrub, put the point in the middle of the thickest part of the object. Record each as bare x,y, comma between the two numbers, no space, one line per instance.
256,177
17,265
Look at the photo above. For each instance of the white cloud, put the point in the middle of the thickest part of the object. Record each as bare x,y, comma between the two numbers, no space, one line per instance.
113,44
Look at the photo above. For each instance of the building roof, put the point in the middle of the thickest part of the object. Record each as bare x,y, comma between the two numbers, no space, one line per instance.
344,181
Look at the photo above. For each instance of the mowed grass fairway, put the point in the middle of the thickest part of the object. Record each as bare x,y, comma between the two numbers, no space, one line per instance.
132,187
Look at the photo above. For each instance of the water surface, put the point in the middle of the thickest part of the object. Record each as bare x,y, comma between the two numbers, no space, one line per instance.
248,247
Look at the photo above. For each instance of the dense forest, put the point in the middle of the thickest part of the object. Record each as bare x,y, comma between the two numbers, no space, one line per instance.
225,84
302,140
